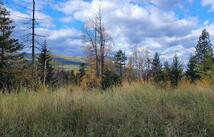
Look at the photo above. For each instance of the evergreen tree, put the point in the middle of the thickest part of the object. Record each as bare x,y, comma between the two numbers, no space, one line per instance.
45,67
176,71
192,72
157,69
204,51
110,79
166,71
73,77
166,75
82,70
81,73
208,67
147,71
120,59
10,52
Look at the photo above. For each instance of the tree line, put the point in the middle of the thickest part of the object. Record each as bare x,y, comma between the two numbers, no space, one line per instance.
104,68
139,66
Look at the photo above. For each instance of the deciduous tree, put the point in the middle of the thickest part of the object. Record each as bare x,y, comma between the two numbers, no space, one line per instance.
98,42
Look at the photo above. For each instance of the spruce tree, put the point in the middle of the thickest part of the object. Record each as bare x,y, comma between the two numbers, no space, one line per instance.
110,79
166,71
82,70
10,52
147,71
176,71
192,72
204,51
157,69
81,73
45,67
73,77
120,59
208,67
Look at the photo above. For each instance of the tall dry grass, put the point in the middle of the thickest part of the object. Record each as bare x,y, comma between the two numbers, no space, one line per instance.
133,110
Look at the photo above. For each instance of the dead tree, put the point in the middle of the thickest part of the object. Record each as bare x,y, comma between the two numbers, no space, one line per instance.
33,34
98,42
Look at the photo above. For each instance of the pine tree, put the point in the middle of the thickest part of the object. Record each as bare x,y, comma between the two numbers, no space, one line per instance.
157,69
208,67
110,79
10,51
203,51
44,66
147,71
176,71
192,72
166,75
120,59
81,73
166,71
82,70
73,77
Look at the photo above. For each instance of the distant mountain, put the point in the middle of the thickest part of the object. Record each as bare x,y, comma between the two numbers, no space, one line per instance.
68,62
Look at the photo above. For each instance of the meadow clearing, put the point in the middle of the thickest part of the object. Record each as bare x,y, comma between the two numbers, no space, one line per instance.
133,110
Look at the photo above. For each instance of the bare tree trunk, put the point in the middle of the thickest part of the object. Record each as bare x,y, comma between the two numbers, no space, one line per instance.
102,44
2,50
33,35
44,73
121,72
96,54
97,40
33,48
44,68
101,58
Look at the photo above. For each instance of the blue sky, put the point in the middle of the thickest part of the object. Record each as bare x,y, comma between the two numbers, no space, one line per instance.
165,26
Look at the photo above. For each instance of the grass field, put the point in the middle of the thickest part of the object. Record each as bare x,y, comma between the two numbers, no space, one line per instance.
135,110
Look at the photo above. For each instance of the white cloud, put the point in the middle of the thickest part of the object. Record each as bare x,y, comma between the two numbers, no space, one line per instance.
44,20
63,33
147,24
71,6
63,41
209,3
132,24
66,19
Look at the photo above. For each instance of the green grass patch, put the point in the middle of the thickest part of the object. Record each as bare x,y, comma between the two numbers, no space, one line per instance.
130,111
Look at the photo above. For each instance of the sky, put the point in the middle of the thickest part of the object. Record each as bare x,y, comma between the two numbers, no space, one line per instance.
168,27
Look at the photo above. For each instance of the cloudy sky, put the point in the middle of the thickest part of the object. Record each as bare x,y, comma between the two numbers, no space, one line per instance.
165,26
